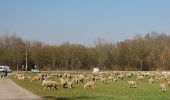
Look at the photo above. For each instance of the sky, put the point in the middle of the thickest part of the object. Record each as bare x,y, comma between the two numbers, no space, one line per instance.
83,21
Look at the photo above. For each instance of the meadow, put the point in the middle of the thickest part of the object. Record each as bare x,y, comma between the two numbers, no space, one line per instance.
103,91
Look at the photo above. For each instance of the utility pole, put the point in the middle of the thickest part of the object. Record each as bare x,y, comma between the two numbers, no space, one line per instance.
17,67
26,63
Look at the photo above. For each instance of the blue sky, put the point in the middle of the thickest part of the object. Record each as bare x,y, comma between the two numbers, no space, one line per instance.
83,21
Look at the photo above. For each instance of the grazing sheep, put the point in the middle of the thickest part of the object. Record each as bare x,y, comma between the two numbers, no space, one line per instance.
129,75
18,76
115,80
163,87
35,78
22,77
103,80
50,84
132,84
63,82
140,78
79,79
121,76
168,83
110,78
70,84
89,85
166,80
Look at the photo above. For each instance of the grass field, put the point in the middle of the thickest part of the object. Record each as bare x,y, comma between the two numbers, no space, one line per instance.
111,91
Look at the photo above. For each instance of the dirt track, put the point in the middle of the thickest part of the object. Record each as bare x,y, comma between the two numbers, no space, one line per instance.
11,91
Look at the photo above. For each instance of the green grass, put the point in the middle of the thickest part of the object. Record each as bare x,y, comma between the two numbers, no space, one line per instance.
111,91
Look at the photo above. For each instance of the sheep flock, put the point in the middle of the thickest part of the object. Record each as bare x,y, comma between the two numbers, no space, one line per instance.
89,80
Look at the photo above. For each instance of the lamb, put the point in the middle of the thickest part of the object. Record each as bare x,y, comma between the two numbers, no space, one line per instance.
132,84
163,87
35,78
50,84
89,85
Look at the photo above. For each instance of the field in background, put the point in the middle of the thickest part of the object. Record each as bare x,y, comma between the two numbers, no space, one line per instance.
111,91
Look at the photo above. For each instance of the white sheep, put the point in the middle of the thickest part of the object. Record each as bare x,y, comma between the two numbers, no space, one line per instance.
163,87
70,84
18,76
63,82
103,80
121,76
132,84
168,83
89,85
140,78
35,78
110,78
129,75
50,84
115,80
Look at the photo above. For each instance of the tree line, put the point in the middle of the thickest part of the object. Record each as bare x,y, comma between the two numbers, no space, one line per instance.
149,52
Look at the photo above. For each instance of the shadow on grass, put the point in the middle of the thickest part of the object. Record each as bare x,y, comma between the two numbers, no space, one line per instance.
69,98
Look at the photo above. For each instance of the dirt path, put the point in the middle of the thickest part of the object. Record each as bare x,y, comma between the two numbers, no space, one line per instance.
11,91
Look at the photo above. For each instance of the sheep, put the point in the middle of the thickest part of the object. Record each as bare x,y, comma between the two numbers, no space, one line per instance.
70,84
110,78
129,75
151,80
50,84
63,82
35,78
89,85
132,84
168,83
115,80
120,76
152,75
18,75
79,79
103,80
163,87
140,78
